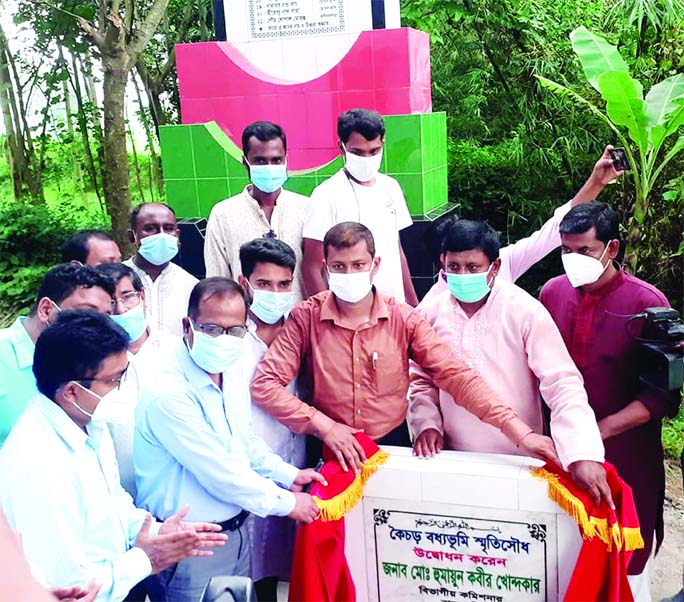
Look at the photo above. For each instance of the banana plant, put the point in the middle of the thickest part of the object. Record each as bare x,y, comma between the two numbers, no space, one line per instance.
641,123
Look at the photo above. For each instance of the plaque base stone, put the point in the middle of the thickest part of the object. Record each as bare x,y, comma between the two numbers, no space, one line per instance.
460,526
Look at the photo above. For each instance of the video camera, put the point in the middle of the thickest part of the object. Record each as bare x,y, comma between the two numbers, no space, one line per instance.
662,343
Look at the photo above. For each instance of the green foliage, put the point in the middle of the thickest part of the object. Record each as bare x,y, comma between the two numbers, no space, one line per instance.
673,435
30,240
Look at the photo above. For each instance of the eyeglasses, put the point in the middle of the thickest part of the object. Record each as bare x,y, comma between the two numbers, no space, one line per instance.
128,300
117,381
270,234
214,330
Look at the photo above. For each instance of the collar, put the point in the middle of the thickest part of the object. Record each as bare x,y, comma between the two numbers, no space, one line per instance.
197,377
379,309
614,283
253,201
142,273
68,431
22,344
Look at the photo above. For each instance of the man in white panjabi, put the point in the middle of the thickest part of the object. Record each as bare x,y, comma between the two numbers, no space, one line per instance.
267,267
262,210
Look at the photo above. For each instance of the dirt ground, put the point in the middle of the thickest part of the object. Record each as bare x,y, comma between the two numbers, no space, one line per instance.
666,576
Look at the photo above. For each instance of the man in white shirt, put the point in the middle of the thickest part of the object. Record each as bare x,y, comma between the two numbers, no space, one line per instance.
144,350
267,273
359,193
75,520
193,426
154,231
262,210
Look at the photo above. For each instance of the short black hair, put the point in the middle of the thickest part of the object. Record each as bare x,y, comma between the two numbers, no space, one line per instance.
62,280
215,286
346,235
136,212
76,247
263,131
595,214
466,235
73,347
117,271
435,233
266,250
367,123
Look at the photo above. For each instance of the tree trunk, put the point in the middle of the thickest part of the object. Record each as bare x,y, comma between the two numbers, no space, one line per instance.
85,135
75,159
155,159
16,148
117,183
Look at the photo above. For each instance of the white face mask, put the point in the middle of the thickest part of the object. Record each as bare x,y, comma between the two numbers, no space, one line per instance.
362,169
583,269
215,354
349,287
115,407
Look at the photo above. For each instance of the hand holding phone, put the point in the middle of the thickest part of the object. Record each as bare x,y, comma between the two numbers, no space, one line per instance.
620,160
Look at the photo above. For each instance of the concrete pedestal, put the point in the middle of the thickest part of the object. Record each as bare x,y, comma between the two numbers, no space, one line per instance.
460,526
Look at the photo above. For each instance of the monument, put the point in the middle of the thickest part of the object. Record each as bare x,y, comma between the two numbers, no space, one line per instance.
460,526
300,63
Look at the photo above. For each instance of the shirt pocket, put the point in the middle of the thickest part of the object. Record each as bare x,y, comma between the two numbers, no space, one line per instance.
390,374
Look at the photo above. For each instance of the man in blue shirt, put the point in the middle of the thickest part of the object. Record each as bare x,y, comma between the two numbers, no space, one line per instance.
63,494
65,286
194,443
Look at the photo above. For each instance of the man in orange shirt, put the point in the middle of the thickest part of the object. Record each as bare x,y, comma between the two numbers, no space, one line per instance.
354,345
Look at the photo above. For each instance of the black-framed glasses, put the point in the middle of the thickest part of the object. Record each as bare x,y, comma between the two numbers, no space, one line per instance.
214,330
270,234
117,381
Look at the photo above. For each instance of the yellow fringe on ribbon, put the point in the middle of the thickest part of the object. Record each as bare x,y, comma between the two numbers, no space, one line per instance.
336,507
590,526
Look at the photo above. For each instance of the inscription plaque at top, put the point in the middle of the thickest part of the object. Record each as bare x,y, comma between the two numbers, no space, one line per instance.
285,18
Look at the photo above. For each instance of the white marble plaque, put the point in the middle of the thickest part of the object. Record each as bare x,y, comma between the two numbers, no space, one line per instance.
444,552
284,18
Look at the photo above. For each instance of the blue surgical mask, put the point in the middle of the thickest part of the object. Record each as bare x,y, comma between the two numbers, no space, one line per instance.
270,306
159,249
268,178
469,288
215,354
132,321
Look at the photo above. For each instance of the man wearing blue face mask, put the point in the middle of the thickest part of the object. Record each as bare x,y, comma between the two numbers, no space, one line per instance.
267,272
64,496
511,341
262,210
193,426
154,230
144,350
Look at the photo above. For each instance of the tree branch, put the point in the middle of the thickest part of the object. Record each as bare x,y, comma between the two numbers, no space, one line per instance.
147,28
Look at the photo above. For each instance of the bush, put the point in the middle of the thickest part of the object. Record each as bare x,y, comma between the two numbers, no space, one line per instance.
30,241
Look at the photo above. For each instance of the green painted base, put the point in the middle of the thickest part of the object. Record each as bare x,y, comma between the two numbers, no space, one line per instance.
202,166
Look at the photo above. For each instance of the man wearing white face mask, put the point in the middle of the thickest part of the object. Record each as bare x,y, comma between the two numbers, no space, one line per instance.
193,425
264,209
591,305
359,193
267,272
144,350
154,230
75,520
356,344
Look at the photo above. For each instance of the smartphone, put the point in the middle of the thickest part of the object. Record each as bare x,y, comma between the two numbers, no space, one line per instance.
620,160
